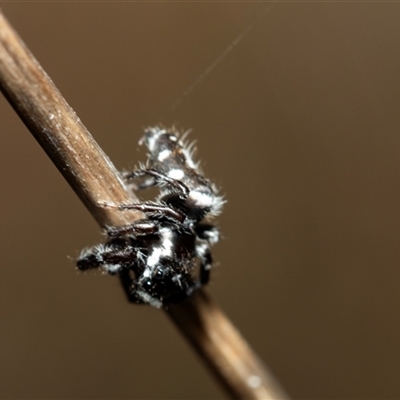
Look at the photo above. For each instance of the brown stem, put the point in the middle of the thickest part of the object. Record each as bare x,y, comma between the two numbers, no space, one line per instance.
59,131
223,349
96,181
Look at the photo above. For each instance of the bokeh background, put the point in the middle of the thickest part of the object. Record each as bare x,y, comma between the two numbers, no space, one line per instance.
299,124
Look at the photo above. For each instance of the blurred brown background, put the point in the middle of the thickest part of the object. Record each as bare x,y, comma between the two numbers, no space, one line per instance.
299,125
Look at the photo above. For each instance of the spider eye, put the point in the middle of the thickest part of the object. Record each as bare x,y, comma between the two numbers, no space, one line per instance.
159,273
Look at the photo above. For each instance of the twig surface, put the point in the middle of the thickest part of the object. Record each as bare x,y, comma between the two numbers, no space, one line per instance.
60,132
94,178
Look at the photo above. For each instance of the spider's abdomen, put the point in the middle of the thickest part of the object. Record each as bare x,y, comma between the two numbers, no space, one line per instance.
173,157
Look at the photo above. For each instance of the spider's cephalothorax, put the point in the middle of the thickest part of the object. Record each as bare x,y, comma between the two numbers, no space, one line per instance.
156,257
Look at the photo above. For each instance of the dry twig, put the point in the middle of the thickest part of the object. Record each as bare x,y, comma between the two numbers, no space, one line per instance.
94,178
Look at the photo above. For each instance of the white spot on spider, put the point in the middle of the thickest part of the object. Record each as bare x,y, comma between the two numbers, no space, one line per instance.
147,272
177,174
112,269
167,244
164,251
201,249
151,137
153,260
254,381
163,155
201,199
151,141
216,208
213,236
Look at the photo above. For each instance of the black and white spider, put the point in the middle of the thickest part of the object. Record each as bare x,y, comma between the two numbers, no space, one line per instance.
156,257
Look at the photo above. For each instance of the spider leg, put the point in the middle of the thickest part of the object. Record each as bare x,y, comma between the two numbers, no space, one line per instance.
147,183
156,211
204,254
207,236
138,228
110,259
159,178
207,232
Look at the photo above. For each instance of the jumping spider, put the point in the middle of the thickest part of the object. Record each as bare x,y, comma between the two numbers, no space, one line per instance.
156,257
